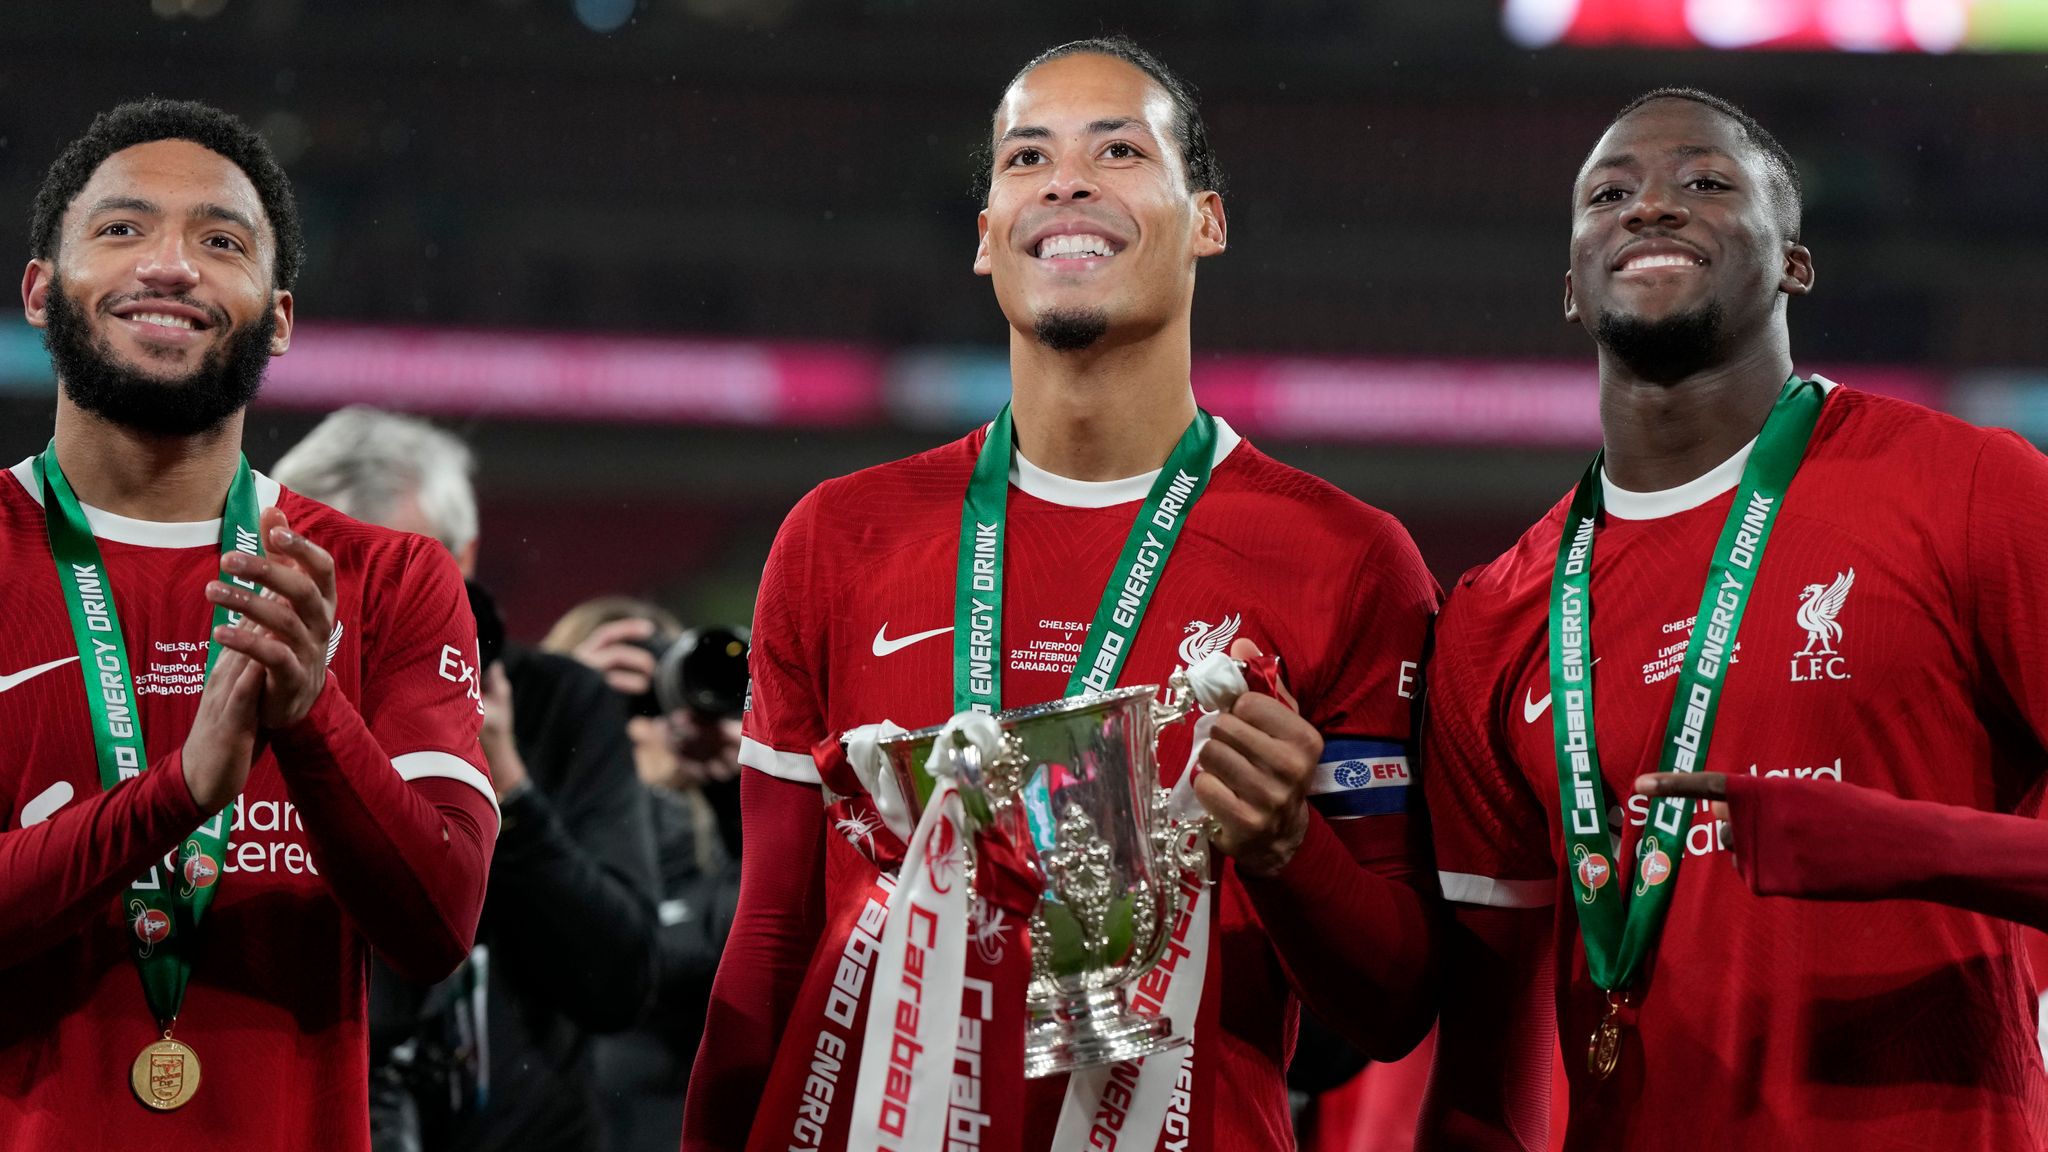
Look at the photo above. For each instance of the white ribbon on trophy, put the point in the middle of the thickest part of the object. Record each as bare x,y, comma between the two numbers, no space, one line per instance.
906,1068
1148,1083
865,756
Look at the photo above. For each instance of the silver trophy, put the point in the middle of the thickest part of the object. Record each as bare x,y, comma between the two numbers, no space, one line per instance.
1080,778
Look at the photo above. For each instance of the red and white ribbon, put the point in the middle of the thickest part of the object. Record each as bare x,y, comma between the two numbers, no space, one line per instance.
907,1056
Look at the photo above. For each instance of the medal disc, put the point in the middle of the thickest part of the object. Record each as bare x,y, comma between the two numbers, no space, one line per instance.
166,1075
1604,1053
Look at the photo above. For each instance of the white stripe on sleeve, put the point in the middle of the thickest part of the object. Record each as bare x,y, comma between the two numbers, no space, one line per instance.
1465,888
791,766
446,766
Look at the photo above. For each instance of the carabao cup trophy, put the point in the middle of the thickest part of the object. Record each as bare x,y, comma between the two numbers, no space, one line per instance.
1080,778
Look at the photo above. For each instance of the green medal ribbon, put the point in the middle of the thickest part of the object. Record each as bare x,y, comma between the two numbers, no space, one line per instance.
978,599
162,911
1617,944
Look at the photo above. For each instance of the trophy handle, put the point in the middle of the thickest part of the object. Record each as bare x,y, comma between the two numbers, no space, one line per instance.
1212,685
1179,702
986,762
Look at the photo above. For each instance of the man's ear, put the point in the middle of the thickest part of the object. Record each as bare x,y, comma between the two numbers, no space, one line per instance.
35,292
1212,227
1798,277
982,265
281,309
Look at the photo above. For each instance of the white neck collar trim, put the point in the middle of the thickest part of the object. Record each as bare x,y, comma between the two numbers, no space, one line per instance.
1623,504
1054,489
149,533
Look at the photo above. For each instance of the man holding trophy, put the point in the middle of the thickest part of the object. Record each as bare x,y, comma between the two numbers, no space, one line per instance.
1099,534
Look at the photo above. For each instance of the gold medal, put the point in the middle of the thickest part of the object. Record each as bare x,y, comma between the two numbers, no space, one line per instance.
1604,1053
166,1074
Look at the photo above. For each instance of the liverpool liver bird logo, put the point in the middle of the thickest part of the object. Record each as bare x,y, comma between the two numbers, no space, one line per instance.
1818,608
1203,638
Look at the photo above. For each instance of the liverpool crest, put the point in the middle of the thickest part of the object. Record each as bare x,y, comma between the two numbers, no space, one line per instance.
1204,638
1819,605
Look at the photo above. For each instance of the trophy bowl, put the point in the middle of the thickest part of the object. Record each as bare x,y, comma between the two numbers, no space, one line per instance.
1080,777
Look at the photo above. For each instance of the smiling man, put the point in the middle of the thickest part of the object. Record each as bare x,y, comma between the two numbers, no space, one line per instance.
1103,197
226,766
1821,603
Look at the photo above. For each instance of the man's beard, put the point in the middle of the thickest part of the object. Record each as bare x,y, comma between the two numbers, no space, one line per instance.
1070,329
1663,351
96,380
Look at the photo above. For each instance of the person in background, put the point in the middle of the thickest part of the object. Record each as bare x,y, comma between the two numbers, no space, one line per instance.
565,949
688,759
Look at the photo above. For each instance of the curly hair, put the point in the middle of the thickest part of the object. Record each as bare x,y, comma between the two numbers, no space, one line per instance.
145,121
1204,173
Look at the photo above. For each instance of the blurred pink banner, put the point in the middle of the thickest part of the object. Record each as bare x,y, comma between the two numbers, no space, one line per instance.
1451,401
1422,401
600,378
511,375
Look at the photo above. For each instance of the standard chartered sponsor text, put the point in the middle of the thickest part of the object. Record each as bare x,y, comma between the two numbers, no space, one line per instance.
1705,834
283,849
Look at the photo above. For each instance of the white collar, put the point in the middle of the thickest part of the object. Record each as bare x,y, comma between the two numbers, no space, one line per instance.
1055,489
1623,504
148,533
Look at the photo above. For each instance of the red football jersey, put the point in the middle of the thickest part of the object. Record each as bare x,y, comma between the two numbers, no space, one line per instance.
276,1006
1896,638
854,625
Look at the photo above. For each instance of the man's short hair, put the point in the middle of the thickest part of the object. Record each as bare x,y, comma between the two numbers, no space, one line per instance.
1782,170
362,461
146,121
1189,132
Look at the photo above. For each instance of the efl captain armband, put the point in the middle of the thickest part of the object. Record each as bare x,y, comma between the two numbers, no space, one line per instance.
1360,778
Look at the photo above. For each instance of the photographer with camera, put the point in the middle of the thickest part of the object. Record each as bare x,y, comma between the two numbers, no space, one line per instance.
686,689
498,1057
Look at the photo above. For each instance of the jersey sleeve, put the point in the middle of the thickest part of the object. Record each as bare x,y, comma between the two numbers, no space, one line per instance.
2006,562
1491,832
786,701
1365,708
1350,917
422,696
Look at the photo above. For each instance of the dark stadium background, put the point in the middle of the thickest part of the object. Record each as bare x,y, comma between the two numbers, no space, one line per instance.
800,171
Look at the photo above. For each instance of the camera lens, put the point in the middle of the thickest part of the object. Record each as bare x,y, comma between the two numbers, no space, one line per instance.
704,671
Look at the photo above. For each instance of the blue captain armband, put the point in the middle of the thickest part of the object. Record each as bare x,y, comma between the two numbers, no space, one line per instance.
1360,778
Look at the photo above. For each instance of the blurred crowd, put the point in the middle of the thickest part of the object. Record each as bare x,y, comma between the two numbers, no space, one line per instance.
613,748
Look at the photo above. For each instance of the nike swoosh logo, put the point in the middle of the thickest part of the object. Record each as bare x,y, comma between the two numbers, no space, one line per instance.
45,804
1532,708
27,674
884,645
